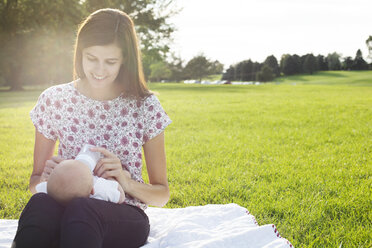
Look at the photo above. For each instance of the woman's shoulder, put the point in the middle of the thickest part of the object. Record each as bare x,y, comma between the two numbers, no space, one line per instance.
150,99
151,105
57,90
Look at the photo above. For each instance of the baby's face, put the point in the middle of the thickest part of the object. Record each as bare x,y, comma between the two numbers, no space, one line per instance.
70,179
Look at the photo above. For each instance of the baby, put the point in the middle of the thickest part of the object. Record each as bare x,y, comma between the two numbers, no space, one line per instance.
74,178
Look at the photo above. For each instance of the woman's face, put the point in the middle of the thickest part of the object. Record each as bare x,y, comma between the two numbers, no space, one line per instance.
101,64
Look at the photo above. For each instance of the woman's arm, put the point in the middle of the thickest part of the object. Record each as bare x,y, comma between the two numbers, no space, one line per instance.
43,152
157,192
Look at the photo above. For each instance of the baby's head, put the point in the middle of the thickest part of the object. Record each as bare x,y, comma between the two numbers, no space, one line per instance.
69,180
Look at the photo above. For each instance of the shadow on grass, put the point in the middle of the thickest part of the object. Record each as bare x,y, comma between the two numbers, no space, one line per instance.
4,89
16,99
329,74
311,77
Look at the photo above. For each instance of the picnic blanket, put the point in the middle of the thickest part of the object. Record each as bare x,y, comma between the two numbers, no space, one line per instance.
214,226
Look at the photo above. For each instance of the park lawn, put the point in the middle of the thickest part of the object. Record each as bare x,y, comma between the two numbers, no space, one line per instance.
295,154
351,78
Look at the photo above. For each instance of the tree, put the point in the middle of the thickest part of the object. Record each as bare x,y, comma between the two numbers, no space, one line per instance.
198,67
321,63
256,68
287,64
247,70
160,71
216,67
333,60
26,31
347,64
369,45
229,74
298,63
309,65
149,58
273,64
238,72
359,63
265,74
175,65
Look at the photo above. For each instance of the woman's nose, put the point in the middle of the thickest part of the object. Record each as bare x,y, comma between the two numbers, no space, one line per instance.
100,69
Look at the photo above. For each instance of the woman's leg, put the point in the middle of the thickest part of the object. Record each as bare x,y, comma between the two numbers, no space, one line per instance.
95,223
39,223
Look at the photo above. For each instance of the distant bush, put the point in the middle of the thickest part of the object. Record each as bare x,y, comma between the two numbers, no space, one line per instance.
265,74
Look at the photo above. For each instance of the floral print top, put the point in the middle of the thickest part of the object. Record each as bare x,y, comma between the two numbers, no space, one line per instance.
121,125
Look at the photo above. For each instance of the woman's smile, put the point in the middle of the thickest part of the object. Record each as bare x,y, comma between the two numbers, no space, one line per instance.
98,77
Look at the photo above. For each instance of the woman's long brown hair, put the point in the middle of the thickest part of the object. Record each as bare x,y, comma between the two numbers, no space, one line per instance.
107,26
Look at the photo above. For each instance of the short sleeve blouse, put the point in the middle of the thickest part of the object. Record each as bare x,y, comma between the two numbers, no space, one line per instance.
122,125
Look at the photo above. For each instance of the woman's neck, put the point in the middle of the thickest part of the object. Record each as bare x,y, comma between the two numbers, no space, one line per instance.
101,94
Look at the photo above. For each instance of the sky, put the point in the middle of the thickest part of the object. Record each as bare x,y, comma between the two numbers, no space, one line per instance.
235,30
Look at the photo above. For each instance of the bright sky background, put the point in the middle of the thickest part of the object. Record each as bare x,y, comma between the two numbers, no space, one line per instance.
235,30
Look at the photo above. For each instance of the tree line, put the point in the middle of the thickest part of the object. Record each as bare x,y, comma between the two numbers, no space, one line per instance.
248,70
196,68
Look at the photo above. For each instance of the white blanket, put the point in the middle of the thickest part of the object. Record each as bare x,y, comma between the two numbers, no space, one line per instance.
202,226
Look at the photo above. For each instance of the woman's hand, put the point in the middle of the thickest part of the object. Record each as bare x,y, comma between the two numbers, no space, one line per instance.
49,167
110,167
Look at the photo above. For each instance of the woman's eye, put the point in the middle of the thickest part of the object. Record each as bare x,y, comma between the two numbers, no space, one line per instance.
108,62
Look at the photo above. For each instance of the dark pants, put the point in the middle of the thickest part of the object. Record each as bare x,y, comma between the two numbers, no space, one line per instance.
84,222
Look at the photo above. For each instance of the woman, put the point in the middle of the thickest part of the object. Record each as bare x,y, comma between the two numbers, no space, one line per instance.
109,106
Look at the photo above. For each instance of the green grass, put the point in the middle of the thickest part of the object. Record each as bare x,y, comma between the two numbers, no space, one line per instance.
351,78
297,156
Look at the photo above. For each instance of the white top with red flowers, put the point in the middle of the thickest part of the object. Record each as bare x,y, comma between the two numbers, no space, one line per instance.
121,125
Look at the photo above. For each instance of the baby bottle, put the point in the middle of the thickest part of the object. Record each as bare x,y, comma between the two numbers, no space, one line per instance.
88,157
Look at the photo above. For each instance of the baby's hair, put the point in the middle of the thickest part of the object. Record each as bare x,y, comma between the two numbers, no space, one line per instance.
70,179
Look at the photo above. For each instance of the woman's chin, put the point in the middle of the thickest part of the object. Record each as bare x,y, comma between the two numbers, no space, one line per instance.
99,83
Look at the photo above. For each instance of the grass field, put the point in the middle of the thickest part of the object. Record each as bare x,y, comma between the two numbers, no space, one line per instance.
296,153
